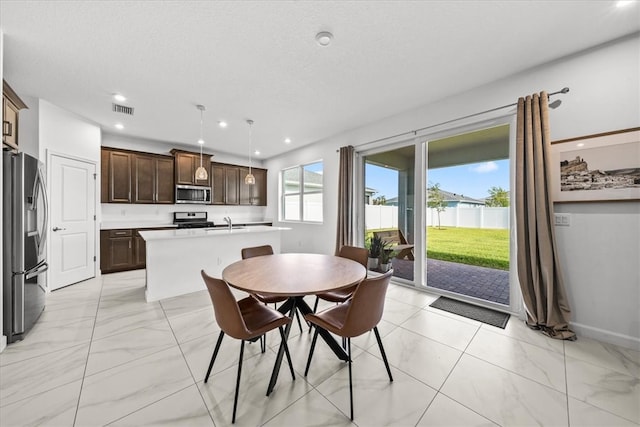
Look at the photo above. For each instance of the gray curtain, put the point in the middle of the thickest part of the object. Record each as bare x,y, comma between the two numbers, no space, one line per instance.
538,268
345,234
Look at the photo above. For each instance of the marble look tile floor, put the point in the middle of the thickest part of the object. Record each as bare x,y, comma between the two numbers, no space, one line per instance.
100,355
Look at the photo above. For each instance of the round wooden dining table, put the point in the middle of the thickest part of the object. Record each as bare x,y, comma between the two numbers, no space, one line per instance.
295,275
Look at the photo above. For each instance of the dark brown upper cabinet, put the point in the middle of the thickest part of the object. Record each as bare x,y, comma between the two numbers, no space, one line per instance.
116,176
134,177
11,106
186,164
229,187
153,179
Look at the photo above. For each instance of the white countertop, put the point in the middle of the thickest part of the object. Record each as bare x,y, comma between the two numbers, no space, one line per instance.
114,225
187,233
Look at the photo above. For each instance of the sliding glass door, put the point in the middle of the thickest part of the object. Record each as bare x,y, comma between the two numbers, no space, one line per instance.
389,202
443,205
468,215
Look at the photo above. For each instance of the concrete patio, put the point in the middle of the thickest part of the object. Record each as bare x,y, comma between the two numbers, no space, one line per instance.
479,282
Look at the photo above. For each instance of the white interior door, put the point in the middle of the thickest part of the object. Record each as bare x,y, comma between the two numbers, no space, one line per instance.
73,230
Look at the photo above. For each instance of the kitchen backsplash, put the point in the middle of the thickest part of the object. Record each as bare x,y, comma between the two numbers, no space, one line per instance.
163,214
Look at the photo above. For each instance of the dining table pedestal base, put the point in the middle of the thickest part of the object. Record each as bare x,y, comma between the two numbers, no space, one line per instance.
288,308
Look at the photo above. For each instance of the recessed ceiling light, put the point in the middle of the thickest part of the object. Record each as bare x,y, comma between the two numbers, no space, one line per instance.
324,38
257,153
287,140
119,97
222,124
201,141
119,126
581,144
624,3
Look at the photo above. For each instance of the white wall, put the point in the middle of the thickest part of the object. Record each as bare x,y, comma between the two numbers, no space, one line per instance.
604,96
161,147
64,133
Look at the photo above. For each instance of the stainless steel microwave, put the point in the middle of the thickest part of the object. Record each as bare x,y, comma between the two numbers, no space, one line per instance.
193,194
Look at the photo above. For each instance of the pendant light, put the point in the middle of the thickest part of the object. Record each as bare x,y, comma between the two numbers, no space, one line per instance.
201,172
250,179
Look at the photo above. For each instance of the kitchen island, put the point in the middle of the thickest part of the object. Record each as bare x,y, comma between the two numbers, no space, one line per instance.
175,257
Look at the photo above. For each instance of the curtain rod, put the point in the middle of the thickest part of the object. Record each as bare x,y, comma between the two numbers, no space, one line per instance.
415,132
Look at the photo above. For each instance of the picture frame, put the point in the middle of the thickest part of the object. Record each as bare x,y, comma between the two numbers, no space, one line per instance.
596,168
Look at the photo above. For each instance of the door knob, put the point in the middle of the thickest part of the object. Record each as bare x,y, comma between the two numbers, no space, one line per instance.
58,228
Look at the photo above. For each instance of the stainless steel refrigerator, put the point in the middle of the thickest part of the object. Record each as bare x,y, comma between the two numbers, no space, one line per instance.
24,234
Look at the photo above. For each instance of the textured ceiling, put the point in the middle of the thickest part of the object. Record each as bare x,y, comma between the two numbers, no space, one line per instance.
259,59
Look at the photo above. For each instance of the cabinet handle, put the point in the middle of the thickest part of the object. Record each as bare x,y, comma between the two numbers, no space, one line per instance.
7,128
129,244
120,233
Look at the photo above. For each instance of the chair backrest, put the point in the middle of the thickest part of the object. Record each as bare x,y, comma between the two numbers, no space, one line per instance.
225,307
257,251
391,237
367,305
354,253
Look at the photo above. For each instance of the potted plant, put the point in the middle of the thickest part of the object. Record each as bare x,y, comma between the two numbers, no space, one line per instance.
385,257
375,245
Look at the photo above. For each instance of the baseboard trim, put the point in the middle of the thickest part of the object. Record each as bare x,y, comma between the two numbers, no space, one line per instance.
3,343
620,340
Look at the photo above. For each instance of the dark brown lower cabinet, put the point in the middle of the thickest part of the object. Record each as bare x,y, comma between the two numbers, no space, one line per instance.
116,250
123,249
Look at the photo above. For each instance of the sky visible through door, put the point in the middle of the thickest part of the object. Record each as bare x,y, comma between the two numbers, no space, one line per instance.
472,180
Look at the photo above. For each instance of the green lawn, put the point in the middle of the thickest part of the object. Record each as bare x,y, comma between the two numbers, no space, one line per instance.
475,246
485,247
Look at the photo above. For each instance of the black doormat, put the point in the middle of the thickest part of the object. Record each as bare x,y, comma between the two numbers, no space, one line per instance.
481,314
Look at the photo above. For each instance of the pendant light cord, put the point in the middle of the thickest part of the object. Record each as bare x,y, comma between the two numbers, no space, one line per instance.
201,139
250,142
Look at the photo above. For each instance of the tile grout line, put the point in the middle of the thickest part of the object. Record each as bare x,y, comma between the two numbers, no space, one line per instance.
147,405
439,391
566,381
195,382
95,320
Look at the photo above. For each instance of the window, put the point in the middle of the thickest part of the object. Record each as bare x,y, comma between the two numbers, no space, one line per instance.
302,193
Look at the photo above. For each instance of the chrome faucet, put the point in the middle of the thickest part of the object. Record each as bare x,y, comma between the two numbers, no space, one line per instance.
227,219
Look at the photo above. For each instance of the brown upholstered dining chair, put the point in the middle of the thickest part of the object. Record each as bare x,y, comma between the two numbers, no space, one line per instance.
246,320
354,253
356,316
267,299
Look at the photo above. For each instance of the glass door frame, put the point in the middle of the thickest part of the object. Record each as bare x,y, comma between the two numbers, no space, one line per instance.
360,226
420,142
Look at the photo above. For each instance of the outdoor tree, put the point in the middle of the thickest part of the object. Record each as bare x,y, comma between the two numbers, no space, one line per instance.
498,197
435,200
381,200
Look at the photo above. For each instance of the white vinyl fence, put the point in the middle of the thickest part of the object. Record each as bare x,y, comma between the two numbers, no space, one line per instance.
378,216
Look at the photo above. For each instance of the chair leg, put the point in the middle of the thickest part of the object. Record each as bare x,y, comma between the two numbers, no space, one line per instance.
384,355
286,352
298,319
263,343
350,381
315,308
313,346
213,357
235,399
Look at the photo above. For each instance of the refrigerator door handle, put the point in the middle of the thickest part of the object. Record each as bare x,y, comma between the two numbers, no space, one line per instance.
38,269
39,185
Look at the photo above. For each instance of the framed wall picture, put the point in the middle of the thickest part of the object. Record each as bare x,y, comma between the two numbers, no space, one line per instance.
601,167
